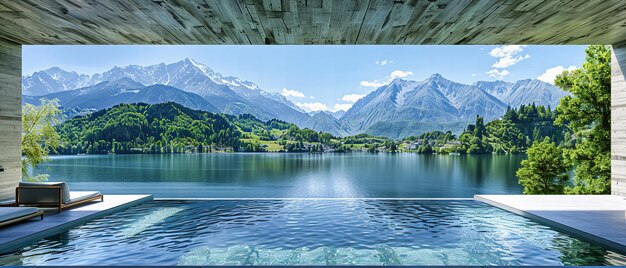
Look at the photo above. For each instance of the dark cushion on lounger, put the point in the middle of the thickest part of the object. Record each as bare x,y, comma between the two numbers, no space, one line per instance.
43,195
9,213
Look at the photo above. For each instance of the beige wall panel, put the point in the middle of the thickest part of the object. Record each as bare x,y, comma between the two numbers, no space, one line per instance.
10,118
618,121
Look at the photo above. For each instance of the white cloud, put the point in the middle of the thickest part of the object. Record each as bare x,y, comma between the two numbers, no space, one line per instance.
374,83
393,75
384,62
342,106
312,106
550,74
473,75
292,93
509,61
352,97
398,74
506,51
495,73
507,55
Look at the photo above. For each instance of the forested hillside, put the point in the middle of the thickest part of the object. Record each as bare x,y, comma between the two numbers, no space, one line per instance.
172,128
133,128
514,132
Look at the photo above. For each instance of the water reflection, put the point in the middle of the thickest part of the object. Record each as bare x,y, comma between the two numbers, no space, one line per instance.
290,175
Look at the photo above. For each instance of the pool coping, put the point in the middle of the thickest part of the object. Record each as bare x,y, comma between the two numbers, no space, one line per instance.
563,227
313,198
65,224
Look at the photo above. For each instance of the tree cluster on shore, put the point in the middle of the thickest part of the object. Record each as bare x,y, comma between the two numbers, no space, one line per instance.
587,115
513,133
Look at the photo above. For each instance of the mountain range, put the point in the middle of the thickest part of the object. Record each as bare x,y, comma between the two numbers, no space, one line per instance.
125,90
403,108
229,94
398,109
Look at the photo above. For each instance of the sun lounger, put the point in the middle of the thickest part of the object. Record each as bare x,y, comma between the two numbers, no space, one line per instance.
52,194
10,215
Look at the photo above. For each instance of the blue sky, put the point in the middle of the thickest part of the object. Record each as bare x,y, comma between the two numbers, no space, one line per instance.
323,77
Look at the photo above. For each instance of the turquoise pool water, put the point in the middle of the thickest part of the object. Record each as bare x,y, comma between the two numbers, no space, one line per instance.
313,232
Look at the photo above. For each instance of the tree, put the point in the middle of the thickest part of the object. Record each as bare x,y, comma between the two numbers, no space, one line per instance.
588,112
38,136
391,146
425,149
480,129
545,170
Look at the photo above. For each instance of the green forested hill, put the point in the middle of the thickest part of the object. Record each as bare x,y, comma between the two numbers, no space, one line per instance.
159,128
172,128
514,132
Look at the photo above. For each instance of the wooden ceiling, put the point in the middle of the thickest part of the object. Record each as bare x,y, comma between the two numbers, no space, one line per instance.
313,21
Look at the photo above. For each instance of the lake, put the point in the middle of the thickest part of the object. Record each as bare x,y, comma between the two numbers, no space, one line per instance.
285,175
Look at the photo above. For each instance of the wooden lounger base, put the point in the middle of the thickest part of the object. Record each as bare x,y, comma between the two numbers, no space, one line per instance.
60,207
94,198
23,218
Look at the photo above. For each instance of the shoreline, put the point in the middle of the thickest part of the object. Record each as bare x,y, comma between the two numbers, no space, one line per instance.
286,153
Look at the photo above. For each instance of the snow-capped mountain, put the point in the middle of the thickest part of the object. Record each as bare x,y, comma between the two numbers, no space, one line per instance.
280,98
110,93
404,108
398,109
523,92
229,94
467,99
400,101
338,114
186,74
51,81
326,122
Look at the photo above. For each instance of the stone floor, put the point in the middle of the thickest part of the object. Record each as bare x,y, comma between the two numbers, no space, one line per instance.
600,218
20,234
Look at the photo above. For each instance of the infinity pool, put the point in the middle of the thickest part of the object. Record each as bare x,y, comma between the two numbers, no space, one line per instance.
313,232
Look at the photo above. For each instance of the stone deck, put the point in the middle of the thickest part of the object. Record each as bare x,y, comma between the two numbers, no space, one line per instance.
17,235
599,218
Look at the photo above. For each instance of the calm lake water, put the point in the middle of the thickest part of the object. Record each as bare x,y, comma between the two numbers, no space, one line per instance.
281,175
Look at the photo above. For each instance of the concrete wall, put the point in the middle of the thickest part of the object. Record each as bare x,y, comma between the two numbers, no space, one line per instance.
618,121
10,118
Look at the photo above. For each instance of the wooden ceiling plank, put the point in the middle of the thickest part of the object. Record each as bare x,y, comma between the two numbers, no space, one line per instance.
312,21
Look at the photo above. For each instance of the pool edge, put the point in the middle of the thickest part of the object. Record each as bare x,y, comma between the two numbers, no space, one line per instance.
314,198
20,242
612,245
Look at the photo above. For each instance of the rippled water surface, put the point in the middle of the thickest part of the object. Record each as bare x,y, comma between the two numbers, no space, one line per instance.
283,175
313,232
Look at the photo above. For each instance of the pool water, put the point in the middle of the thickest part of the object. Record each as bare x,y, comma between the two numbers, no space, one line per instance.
313,232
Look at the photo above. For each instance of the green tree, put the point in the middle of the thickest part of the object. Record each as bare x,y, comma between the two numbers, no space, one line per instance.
545,170
391,146
480,129
38,136
588,112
